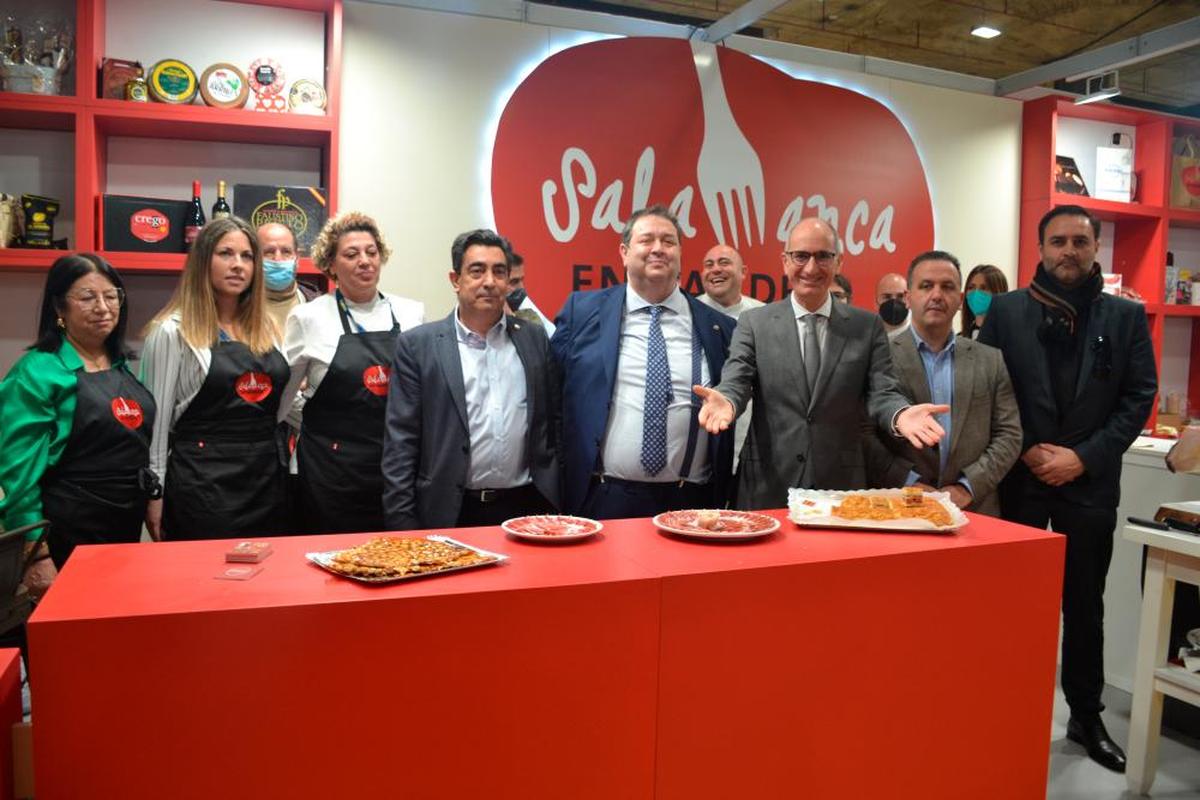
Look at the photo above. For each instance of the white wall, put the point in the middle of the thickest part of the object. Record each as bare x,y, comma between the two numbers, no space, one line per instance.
413,139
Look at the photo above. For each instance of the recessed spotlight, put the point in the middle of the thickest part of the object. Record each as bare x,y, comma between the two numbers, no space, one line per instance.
985,32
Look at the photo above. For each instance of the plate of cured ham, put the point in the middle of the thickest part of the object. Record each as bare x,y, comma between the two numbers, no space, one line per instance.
551,527
716,523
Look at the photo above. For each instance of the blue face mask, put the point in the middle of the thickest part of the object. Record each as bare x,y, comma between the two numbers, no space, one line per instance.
279,275
979,301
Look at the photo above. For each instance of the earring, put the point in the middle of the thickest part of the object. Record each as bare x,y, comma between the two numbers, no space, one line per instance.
62,325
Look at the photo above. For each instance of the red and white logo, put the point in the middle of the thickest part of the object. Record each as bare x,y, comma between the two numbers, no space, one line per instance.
149,225
375,378
127,412
253,387
740,151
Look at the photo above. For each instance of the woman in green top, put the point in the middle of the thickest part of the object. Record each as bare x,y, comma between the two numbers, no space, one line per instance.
75,433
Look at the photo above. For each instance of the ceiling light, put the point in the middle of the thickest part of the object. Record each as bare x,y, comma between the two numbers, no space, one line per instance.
985,32
1100,87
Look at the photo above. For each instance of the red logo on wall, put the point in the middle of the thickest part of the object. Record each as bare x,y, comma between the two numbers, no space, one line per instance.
738,149
127,412
375,378
253,387
149,225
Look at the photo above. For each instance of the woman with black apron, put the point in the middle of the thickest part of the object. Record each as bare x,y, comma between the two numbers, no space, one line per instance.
75,433
210,360
340,347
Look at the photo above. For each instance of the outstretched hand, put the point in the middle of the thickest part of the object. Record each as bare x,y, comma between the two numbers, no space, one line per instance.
717,412
918,424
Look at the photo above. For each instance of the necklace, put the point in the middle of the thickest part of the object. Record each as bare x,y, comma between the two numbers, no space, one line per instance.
91,362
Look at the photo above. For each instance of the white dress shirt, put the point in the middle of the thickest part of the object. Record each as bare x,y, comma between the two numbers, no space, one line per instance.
744,304
497,408
622,449
822,320
313,330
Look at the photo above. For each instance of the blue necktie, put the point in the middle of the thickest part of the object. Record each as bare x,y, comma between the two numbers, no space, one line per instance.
658,397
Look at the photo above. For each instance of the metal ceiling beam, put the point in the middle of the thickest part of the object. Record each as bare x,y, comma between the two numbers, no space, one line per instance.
734,21
1113,56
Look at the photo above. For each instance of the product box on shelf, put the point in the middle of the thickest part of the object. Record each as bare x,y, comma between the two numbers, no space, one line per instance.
142,224
304,209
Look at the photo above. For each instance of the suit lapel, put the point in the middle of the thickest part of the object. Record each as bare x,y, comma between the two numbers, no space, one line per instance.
447,355
965,365
909,368
1094,327
709,337
516,333
609,314
786,339
831,353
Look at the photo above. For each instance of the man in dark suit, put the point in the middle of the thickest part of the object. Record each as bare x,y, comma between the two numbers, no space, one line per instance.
629,356
472,407
983,428
1082,366
809,388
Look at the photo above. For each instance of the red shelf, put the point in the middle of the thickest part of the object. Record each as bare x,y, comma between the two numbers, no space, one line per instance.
1108,210
1171,310
1189,218
29,259
38,112
126,261
162,121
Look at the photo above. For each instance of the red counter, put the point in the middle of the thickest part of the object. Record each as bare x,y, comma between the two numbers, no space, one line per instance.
627,666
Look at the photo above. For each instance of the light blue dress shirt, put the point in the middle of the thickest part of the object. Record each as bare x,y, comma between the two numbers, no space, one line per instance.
939,373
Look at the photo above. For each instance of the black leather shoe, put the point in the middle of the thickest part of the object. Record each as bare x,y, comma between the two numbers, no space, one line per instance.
1089,731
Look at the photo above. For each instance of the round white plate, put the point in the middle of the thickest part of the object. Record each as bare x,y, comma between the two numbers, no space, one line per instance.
551,527
733,524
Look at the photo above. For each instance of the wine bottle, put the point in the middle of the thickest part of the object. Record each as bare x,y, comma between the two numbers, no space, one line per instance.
221,208
193,221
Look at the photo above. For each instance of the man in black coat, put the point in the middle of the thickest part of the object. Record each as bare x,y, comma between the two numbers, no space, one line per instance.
1082,367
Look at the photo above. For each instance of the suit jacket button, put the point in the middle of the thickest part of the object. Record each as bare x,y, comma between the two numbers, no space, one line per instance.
466,448
800,458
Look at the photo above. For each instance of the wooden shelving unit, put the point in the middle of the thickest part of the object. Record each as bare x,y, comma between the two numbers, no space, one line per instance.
1141,229
94,120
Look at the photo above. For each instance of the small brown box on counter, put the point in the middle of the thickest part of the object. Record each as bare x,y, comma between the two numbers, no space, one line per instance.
115,73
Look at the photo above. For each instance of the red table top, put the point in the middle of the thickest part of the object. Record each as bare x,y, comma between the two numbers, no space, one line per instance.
131,580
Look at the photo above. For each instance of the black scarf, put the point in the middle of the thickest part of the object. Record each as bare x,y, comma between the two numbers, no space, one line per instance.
1065,310
1063,306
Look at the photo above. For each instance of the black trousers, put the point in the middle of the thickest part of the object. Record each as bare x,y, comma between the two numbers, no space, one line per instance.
1089,532
504,504
613,498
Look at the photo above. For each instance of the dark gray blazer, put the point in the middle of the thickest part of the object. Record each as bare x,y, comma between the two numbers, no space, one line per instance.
796,439
985,426
427,446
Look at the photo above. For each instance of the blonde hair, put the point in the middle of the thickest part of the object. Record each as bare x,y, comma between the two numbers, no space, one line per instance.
324,249
195,300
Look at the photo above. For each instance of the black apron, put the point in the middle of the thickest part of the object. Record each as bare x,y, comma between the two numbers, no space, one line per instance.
226,474
97,492
341,436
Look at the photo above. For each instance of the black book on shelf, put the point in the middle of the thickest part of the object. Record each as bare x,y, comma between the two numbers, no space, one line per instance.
1067,179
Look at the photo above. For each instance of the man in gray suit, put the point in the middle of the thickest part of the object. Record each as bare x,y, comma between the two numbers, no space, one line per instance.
810,365
983,427
472,408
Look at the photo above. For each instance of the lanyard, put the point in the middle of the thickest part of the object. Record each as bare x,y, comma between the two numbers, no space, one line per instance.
348,318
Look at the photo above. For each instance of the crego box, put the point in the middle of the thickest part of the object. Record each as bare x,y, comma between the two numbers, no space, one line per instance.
142,224
304,209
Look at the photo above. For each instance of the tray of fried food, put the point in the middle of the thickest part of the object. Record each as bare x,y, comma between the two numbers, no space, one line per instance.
908,509
385,559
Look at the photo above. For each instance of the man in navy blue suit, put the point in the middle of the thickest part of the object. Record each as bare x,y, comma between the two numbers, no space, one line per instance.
629,356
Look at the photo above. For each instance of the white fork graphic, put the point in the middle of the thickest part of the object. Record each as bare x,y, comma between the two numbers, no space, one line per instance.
728,166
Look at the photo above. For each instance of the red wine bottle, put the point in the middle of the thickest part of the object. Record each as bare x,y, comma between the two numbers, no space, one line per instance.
193,221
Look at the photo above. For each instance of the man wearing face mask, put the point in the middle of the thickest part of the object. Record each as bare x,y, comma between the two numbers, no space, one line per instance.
284,292
891,294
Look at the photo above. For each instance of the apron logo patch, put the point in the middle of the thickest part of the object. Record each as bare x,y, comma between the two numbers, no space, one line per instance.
375,378
127,412
253,387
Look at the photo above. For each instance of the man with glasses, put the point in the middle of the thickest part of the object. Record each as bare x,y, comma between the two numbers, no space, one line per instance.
810,365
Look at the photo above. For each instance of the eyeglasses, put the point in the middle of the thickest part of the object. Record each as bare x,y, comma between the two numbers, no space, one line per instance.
800,258
113,298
